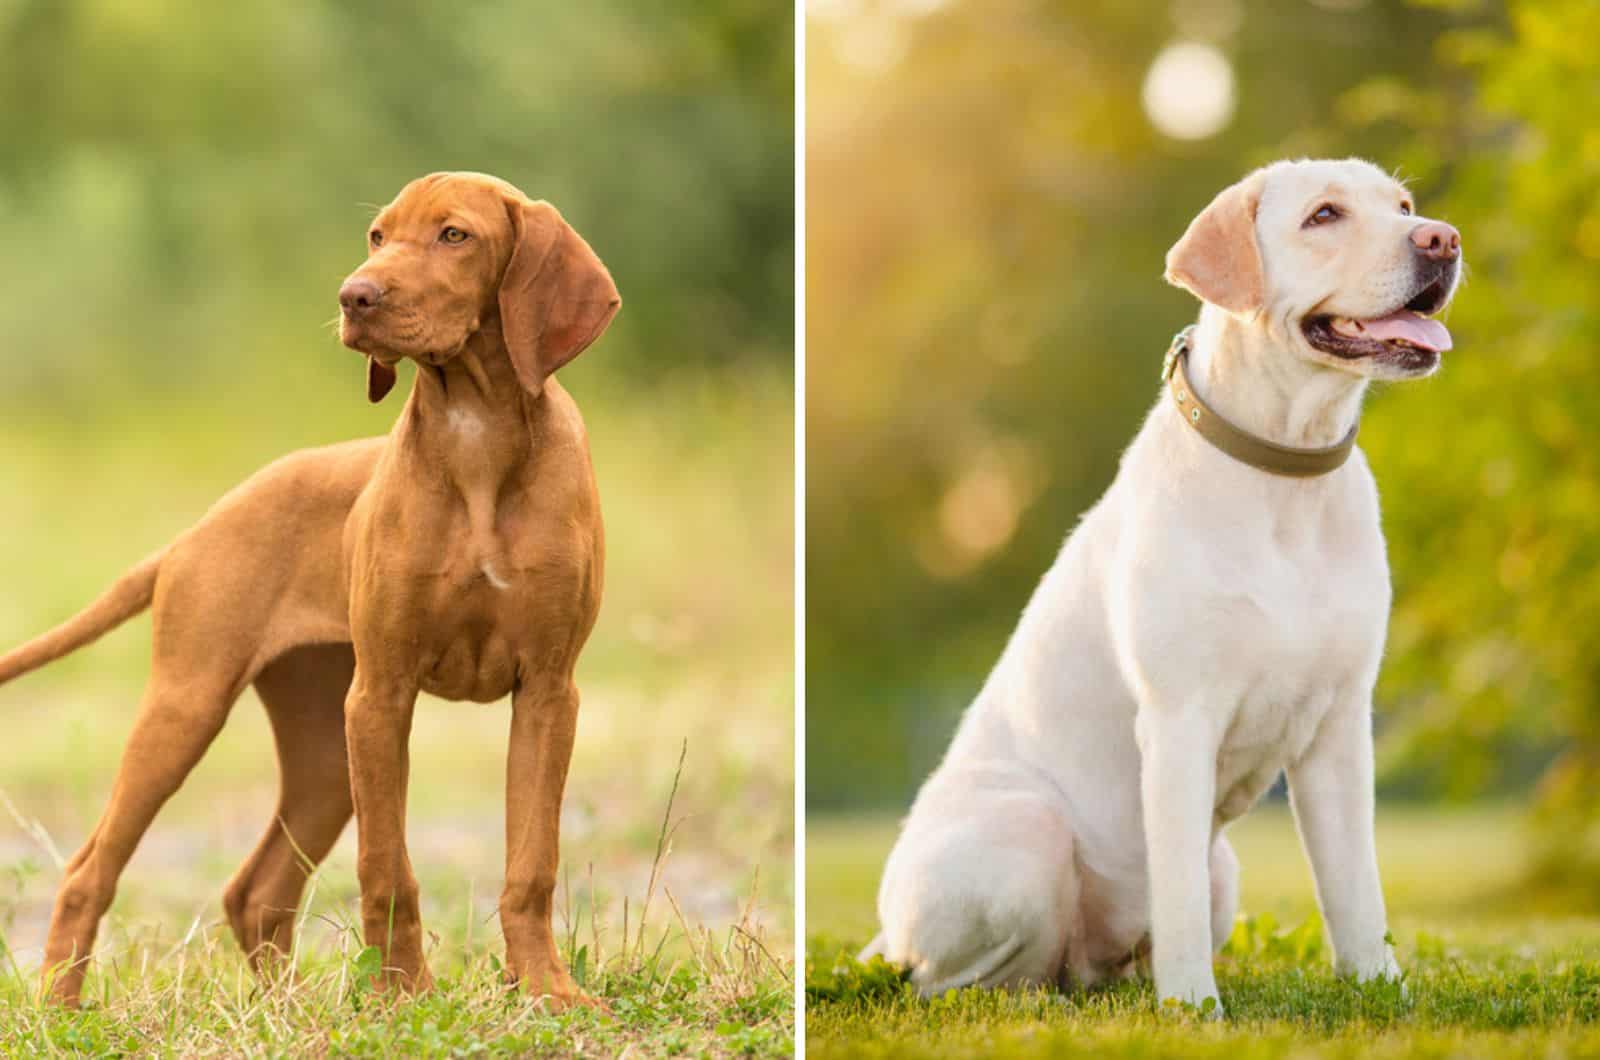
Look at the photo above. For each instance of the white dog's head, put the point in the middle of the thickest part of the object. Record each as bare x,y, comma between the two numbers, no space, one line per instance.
1335,253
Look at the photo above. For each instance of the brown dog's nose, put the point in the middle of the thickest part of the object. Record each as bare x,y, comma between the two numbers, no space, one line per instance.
359,295
1437,240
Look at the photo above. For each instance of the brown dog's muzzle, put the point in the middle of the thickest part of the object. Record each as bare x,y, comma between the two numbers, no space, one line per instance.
359,297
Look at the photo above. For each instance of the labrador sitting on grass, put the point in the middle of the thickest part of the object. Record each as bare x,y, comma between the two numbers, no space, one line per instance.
1216,619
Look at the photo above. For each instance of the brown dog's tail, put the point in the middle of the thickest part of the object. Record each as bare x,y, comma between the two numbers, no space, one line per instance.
131,594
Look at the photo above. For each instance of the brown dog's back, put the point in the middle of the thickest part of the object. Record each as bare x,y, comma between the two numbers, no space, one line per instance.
267,553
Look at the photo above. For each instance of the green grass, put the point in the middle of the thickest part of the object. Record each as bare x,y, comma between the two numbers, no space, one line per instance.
675,989
694,647
1490,971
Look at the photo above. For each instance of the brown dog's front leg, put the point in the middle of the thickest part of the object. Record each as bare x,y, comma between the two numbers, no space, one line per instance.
378,731
544,721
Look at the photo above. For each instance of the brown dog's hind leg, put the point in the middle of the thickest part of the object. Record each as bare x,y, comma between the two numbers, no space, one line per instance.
303,693
177,721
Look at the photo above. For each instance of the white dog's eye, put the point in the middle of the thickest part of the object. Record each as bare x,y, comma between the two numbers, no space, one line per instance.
1322,215
1405,208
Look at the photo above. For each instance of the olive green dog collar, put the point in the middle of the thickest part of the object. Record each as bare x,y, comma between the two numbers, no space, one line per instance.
1240,444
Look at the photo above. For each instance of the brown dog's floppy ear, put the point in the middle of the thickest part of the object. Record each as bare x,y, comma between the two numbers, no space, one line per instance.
380,379
1218,260
555,298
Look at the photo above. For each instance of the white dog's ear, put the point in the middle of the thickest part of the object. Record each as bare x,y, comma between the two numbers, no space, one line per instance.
1217,260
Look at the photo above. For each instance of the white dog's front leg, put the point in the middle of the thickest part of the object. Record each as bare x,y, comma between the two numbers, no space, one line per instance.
1331,788
1178,787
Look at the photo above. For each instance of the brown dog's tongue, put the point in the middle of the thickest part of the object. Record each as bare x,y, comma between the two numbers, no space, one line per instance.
1411,327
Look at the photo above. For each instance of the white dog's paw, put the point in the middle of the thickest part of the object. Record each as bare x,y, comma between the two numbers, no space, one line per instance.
1388,968
1378,966
1201,998
1389,972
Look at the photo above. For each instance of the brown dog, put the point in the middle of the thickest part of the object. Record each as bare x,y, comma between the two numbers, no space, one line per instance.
459,556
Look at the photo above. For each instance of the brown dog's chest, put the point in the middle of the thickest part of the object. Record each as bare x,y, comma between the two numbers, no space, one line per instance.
464,650
489,615
464,592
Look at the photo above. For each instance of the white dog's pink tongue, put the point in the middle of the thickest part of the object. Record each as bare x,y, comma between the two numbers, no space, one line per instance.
1409,327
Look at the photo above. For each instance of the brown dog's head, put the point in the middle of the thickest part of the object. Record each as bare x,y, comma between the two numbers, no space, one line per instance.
455,251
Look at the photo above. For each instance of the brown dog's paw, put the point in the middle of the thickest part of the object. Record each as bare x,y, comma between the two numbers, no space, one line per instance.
420,983
409,983
67,999
599,1004
396,983
63,985
554,990
553,1003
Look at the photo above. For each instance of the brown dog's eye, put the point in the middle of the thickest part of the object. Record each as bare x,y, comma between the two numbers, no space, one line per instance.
1405,208
375,237
1322,215
452,235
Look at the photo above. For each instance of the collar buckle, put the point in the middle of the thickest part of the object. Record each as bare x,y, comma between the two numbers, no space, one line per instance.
1177,348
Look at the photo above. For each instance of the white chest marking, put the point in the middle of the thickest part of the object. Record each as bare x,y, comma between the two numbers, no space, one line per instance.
494,578
464,423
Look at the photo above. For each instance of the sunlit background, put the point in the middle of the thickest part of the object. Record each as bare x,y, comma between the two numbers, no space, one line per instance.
992,189
182,188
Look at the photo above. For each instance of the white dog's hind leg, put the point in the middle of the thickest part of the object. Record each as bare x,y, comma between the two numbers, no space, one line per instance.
989,969
991,965
984,900
999,966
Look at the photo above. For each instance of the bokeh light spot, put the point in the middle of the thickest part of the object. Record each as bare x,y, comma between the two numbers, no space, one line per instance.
1188,92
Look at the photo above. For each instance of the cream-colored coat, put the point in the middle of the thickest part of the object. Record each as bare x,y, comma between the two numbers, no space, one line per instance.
1206,627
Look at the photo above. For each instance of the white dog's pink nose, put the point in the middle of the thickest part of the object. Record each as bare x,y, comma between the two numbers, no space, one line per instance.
1437,240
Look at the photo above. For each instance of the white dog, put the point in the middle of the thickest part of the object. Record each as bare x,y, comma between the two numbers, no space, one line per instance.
1217,618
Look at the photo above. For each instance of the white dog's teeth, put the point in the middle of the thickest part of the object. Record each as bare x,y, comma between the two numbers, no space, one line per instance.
1346,326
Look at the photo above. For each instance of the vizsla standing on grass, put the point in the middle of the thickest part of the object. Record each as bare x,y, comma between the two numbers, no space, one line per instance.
459,556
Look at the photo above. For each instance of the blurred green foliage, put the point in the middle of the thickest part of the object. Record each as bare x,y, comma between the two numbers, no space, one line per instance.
988,212
182,186
1491,482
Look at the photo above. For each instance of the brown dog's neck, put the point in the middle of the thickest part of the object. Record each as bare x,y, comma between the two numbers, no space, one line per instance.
469,417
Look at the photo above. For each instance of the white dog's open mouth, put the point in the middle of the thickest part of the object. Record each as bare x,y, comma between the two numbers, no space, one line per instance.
1407,338
1401,328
